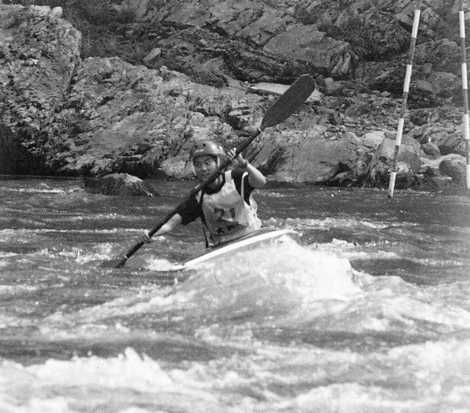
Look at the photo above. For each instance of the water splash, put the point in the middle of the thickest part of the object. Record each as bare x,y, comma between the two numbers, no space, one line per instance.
269,280
117,384
415,378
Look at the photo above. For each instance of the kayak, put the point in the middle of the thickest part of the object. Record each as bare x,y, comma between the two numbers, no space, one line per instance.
259,238
255,239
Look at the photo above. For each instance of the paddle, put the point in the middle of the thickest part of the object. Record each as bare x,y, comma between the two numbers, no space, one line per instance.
284,106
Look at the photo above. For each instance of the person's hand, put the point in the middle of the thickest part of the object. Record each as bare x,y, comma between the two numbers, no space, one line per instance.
251,131
145,238
248,131
239,161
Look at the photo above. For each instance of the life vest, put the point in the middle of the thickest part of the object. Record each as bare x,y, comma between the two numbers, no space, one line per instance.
226,214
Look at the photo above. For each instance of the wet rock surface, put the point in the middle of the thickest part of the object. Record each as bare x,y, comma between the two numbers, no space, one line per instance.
39,53
119,184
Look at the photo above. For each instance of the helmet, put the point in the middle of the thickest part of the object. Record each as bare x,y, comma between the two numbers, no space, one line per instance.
207,148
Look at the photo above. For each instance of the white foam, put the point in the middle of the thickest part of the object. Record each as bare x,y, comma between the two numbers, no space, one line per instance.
11,289
351,398
302,223
10,321
390,305
86,322
126,381
351,250
270,280
161,264
35,190
101,251
264,377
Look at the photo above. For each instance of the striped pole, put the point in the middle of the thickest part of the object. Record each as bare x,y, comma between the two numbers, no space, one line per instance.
406,90
466,117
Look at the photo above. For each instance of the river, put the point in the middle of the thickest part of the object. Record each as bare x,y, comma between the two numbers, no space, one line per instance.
367,310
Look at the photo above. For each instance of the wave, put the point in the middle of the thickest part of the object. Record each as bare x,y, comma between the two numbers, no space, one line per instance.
263,282
328,222
269,280
390,305
41,189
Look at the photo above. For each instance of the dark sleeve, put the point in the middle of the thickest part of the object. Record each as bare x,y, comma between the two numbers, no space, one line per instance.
237,176
189,210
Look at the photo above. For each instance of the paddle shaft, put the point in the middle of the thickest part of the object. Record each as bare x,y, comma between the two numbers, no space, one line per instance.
284,106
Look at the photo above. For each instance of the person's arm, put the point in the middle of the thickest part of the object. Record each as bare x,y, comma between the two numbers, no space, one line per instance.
255,178
168,226
186,212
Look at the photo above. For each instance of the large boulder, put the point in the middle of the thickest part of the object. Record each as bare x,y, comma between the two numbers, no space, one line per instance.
119,184
306,43
39,53
431,150
308,156
408,163
453,165
443,173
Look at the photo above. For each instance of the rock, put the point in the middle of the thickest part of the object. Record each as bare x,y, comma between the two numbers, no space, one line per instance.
424,86
44,10
373,139
454,166
430,19
39,54
154,53
439,183
429,167
57,11
130,119
332,87
408,164
383,76
276,41
119,184
306,157
136,7
431,150
61,115
441,54
177,167
211,72
308,44
419,116
279,89
239,117
444,84
372,28
450,141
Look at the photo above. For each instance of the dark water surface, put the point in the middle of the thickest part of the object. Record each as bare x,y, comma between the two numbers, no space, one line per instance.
367,311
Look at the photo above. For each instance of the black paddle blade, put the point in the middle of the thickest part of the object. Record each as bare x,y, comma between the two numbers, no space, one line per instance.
289,102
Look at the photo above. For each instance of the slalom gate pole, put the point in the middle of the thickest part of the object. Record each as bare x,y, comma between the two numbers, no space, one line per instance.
466,116
406,90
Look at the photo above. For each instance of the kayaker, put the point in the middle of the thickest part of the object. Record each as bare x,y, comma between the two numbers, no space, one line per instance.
226,207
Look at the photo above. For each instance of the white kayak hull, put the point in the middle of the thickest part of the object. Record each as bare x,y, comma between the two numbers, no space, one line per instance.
253,240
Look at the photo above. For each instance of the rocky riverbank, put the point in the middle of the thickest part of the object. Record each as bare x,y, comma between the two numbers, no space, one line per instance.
207,69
